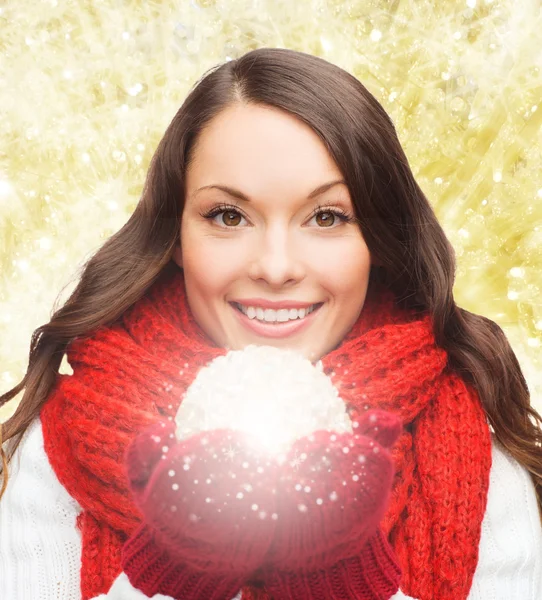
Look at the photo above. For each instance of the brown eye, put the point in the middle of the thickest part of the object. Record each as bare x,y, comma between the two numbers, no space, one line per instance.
231,218
325,219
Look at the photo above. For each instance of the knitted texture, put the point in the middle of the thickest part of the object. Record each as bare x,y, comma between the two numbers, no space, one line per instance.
150,567
334,549
370,575
213,543
132,372
196,540
351,476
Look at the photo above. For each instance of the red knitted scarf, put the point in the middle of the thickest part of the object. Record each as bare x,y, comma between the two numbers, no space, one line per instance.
129,373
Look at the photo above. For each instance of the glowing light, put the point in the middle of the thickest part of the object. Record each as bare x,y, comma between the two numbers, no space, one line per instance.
23,265
135,89
7,377
276,396
326,44
5,188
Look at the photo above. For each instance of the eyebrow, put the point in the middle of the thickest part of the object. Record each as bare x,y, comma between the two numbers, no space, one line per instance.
240,196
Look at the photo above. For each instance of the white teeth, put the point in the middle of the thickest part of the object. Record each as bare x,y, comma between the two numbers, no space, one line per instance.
283,315
271,316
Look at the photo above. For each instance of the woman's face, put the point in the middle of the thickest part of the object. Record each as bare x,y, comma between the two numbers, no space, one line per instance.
270,252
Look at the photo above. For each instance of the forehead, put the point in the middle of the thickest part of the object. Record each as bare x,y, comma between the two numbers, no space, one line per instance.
260,149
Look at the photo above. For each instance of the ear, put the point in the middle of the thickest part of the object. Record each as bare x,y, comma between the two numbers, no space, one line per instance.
178,255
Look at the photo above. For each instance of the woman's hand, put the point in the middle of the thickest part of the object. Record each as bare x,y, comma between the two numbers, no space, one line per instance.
333,491
331,497
208,507
216,509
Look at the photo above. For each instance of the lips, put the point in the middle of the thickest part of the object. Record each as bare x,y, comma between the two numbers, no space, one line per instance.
275,329
270,315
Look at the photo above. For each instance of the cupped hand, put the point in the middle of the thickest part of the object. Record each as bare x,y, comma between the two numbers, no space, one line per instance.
333,491
209,498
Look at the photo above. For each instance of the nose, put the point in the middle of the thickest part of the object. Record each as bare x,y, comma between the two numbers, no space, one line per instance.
276,259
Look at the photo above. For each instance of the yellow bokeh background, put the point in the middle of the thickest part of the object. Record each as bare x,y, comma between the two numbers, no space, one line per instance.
87,88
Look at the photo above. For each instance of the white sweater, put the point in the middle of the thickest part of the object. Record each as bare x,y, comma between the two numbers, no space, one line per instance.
40,545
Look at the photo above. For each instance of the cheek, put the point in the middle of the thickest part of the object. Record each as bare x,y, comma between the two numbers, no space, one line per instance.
345,266
210,263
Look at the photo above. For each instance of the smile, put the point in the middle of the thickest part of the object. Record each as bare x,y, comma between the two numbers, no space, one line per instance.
269,315
271,323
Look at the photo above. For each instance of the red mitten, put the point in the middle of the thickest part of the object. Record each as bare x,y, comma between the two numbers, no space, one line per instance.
207,504
331,497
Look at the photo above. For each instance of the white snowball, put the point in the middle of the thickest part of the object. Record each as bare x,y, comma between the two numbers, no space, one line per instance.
276,395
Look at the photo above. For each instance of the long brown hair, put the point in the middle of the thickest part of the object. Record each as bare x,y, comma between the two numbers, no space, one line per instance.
400,228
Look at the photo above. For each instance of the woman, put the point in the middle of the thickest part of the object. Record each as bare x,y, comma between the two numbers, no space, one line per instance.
280,184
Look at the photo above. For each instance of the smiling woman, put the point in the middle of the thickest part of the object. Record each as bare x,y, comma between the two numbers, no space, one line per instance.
279,210
288,241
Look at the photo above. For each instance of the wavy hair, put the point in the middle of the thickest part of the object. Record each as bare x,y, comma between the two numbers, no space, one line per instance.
416,261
